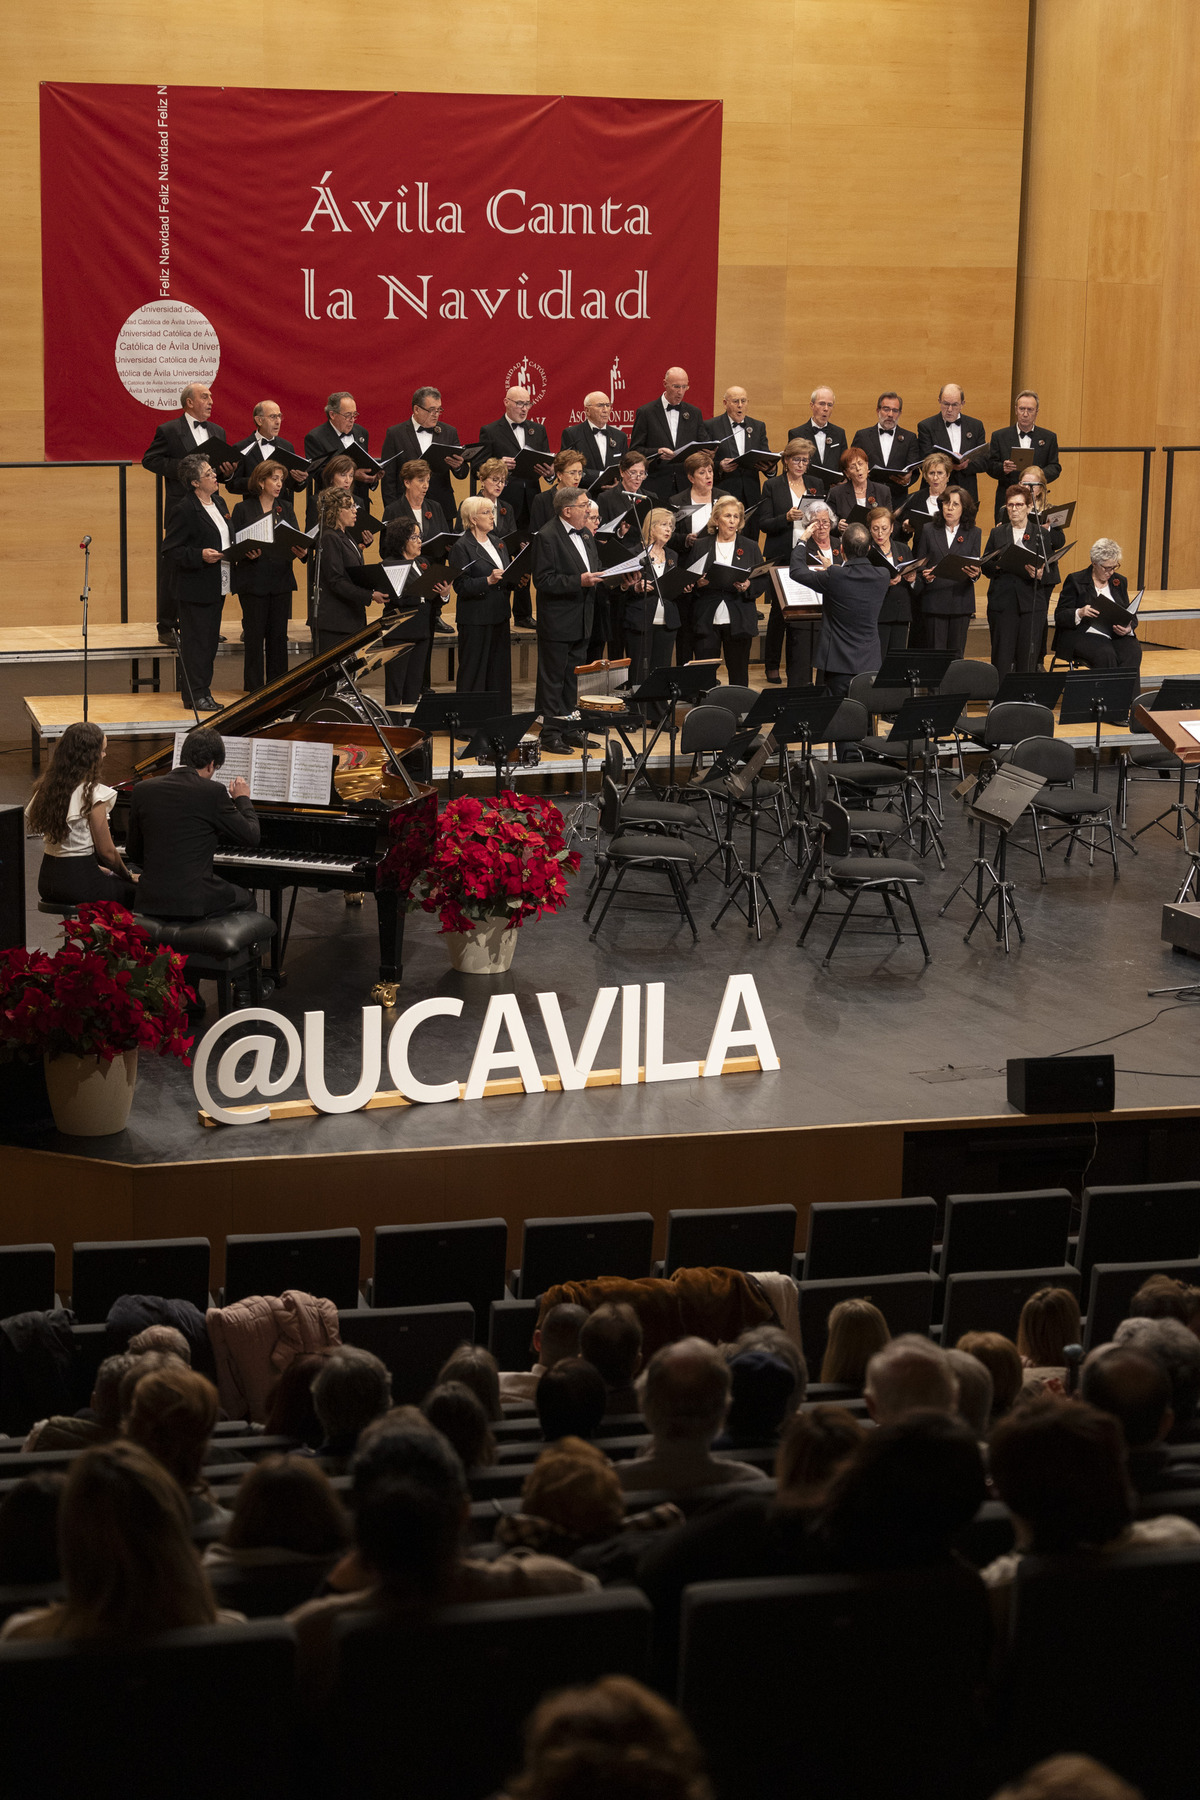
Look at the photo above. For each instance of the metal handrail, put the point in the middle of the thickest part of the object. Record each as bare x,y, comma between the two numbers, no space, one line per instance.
122,468
1145,451
1172,450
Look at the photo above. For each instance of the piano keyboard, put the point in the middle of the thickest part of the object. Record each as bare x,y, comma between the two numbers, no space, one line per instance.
309,863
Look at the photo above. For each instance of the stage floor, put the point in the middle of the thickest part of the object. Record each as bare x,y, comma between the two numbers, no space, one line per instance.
878,1037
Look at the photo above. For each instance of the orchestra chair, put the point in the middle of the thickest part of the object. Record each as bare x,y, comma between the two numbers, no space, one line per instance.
176,1268
647,811
428,1265
991,1300
1005,1231
1005,726
595,1244
1059,803
324,1263
26,1279
839,870
1113,1286
1155,762
412,1342
979,680
735,700
638,850
867,1237
906,1302
225,948
748,1238
879,703
1136,1224
866,780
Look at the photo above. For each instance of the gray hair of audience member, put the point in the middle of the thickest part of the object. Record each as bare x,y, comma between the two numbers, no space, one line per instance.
353,1388
106,1391
908,1373
1131,1387
687,1389
458,1414
1068,1777
559,1333
1165,1297
149,1363
161,1337
476,1368
974,1390
1105,550
856,542
1176,1350
564,497
611,1340
776,1342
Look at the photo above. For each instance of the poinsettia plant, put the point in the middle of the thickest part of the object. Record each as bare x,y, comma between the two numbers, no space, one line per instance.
108,990
502,856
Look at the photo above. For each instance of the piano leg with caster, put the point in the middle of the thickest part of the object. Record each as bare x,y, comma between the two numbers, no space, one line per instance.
391,948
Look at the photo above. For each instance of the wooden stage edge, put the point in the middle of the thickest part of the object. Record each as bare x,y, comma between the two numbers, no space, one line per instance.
60,1198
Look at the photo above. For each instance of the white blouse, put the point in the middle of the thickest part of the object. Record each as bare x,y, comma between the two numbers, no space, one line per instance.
219,520
487,544
78,841
660,568
723,553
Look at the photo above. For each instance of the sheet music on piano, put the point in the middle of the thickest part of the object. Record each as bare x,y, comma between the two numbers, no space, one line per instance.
279,769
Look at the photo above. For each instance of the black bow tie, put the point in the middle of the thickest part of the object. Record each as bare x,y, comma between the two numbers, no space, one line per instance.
669,408
887,431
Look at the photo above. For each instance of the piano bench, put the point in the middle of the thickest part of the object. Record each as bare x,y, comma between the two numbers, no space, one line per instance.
219,948
65,909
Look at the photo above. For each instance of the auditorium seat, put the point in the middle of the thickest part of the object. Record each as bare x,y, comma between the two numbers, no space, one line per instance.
992,1300
510,1332
1005,1231
268,1590
92,1345
1113,1286
455,1695
324,1263
427,1265
175,1268
26,1278
413,1341
906,1302
730,1237
1134,1224
580,1249
868,1237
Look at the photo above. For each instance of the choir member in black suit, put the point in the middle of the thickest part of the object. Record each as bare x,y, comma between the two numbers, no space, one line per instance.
193,546
1024,434
506,437
953,430
566,571
479,561
628,501
404,677
338,473
698,493
734,432
820,545
265,584
662,425
410,439
568,473
1080,634
724,618
889,445
260,446
336,432
895,615
492,482
414,499
651,622
341,608
1016,602
856,490
782,523
174,440
600,444
945,607
1033,480
924,507
820,430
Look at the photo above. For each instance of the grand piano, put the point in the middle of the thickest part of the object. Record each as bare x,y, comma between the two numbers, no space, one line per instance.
377,831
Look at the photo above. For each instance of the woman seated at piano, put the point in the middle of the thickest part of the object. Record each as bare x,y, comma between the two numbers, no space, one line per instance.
895,615
924,507
568,473
944,605
782,521
69,811
698,498
855,491
341,607
338,474
404,677
724,617
264,584
480,562
1082,633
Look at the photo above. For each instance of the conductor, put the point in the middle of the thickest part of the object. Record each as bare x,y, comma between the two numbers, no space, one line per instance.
853,594
175,824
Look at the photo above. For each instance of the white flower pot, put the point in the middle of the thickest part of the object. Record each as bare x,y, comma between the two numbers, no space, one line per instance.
487,950
89,1097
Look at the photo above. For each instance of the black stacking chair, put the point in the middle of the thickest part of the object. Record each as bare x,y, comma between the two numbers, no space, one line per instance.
872,829
413,1341
1078,809
1113,1286
730,1237
881,703
324,1263
646,811
868,1237
175,1268
839,870
26,1278
992,1299
980,681
639,849
735,700
557,1250
906,1302
428,1265
858,779
1150,761
1005,1231
1137,1224
1005,726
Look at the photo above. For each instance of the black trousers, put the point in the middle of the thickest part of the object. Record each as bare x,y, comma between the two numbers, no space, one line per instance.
404,675
1097,652
75,880
686,640
264,638
199,635
1012,641
718,640
329,640
838,682
945,631
893,635
484,661
166,602
649,650
557,688
522,605
600,643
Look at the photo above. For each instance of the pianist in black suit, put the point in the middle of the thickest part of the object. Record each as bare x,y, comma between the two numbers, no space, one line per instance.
733,432
480,562
175,824
660,428
820,430
493,484
1024,434
855,490
888,444
952,430
568,473
337,431
724,618
943,607
265,584
174,440
193,546
1079,631
600,444
260,446
781,522
505,438
410,439
404,678
341,604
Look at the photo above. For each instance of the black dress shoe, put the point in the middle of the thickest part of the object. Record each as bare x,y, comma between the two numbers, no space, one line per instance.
164,637
442,629
775,680
206,703
554,742
579,740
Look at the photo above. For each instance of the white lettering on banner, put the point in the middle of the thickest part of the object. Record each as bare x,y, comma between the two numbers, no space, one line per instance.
162,128
575,1071
556,303
544,218
326,207
160,347
397,288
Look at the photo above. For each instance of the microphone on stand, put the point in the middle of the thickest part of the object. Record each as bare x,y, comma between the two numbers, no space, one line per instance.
85,543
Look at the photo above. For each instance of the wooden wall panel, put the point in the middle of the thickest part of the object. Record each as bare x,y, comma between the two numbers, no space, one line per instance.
858,246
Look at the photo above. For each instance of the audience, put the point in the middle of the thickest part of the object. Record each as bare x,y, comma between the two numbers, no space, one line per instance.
1133,1388
975,1392
614,1740
1176,1350
290,1410
1049,1322
1069,1778
857,1330
904,1495
685,1400
98,1423
1166,1297
171,1414
284,1511
570,1399
761,1392
998,1355
775,1342
477,1369
909,1373
351,1388
555,1338
611,1340
161,1337
572,1506
29,1531
458,1414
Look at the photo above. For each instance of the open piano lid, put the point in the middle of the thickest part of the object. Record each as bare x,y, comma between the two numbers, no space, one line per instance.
263,708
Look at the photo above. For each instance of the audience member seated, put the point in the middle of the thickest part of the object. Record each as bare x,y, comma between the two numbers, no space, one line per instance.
1049,1322
572,1506
556,1337
857,1331
570,1399
685,1400
1069,1778
760,1397
998,1355
285,1512
773,1340
478,1370
97,1423
611,1340
29,1531
290,1409
458,1414
1133,1387
161,1337
1176,1350
903,1497
171,1414
910,1372
975,1394
350,1389
1164,1297
1059,1467
128,1562
612,1739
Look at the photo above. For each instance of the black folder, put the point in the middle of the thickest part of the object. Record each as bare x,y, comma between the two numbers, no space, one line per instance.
527,462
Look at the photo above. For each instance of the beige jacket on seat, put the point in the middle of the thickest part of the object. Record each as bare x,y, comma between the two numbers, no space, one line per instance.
255,1340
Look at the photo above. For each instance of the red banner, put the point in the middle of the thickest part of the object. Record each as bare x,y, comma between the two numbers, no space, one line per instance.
281,244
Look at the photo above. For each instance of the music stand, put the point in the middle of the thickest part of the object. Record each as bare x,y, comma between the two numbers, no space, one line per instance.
801,718
497,738
687,681
1178,693
1003,801
461,713
746,889
914,668
1040,687
924,718
1099,697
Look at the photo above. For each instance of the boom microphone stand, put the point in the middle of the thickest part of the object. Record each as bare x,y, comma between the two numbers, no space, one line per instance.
86,547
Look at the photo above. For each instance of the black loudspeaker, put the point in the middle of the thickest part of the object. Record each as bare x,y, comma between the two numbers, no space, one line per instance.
12,878
1062,1084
